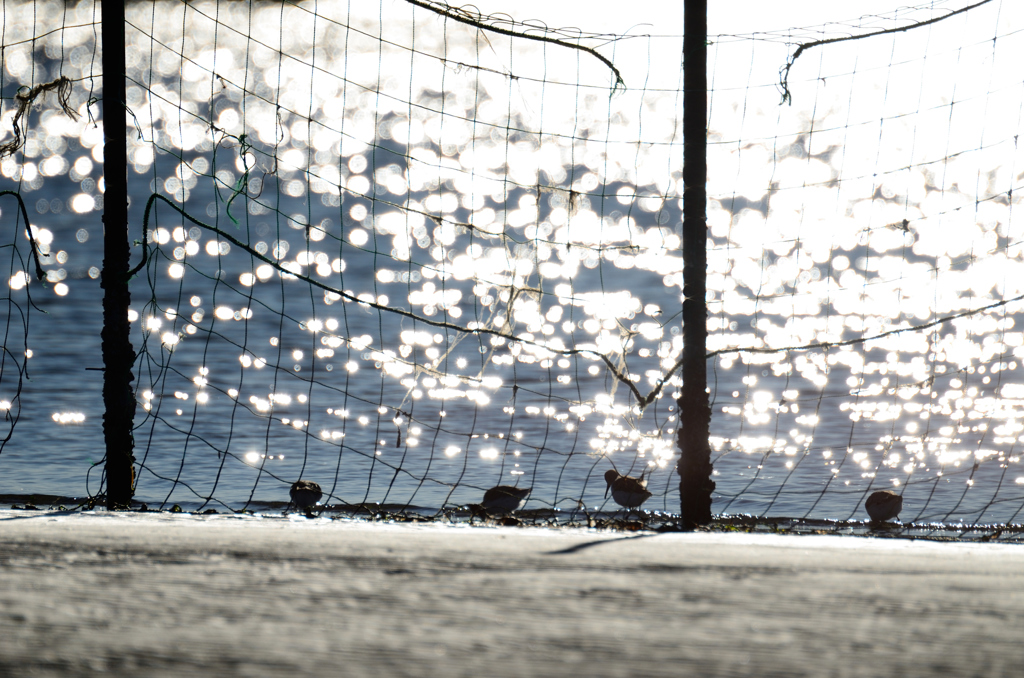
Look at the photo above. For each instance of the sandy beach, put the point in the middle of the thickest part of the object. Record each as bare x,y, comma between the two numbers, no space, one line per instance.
170,595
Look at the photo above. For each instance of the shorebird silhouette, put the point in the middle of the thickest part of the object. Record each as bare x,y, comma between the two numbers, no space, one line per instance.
305,494
628,492
883,505
505,498
500,500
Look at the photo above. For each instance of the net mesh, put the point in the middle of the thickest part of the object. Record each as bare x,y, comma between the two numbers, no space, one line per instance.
409,257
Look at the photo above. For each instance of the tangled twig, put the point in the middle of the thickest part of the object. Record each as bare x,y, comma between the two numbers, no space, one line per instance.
787,96
25,99
486,23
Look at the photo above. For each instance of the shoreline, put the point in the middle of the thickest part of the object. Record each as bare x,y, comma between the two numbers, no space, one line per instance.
160,594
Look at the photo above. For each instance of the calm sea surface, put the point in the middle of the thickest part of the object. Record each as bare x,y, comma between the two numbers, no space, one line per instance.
419,261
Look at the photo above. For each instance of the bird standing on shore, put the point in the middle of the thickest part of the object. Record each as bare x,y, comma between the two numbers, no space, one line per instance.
883,505
505,498
500,500
305,494
628,492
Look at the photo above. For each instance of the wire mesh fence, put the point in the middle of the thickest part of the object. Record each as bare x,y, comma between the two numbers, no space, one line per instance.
411,253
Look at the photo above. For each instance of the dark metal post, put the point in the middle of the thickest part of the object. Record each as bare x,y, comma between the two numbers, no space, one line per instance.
118,354
695,484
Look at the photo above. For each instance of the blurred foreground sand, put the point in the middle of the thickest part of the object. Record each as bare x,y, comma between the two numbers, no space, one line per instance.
173,595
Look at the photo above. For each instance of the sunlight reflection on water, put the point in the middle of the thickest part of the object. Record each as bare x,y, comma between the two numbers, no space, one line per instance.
543,216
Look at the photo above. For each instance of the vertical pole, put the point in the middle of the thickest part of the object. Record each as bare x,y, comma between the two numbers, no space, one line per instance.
118,354
694,468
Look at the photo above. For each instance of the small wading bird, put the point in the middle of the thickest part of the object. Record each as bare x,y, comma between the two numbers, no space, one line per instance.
883,505
305,494
626,491
501,500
